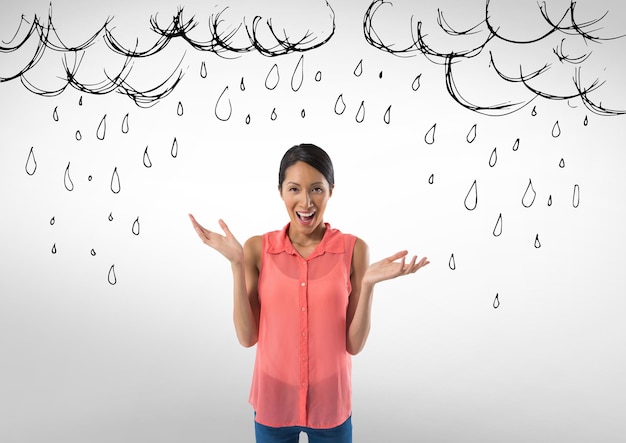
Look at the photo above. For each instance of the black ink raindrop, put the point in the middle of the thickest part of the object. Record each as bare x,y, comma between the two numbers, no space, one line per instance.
125,124
534,111
54,248
203,71
576,196
359,69
180,110
529,195
79,136
318,76
115,182
31,163
112,277
298,75
360,114
110,216
248,119
429,138
273,77
452,262
93,252
89,178
550,200
80,101
136,226
380,75
67,181
471,135
146,159
431,179
562,164
516,145
416,82
493,158
174,151
55,114
496,302
537,242
302,113
497,229
556,130
273,116
220,108
242,86
585,121
102,128
52,221
471,199
387,116
340,105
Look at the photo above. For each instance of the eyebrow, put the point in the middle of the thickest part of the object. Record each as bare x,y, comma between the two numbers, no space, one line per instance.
312,184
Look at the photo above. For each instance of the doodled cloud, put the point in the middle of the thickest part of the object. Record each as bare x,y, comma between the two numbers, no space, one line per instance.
498,56
140,49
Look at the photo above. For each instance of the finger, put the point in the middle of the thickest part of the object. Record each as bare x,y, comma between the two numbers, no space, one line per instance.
398,255
412,267
224,227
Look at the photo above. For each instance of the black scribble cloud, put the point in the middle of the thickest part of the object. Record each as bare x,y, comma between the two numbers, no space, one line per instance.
498,56
38,53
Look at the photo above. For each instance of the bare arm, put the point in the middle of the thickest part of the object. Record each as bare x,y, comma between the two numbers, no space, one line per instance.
244,263
363,278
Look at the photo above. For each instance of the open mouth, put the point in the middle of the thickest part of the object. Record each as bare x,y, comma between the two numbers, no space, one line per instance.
305,217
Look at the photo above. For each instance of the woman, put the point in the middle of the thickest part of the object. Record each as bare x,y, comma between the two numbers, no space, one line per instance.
303,294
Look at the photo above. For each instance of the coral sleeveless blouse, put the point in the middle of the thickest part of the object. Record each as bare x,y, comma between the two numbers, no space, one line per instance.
302,371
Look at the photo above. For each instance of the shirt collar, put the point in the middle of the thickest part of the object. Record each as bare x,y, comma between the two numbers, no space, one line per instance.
332,242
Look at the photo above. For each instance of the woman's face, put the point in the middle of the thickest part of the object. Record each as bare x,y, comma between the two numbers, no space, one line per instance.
305,192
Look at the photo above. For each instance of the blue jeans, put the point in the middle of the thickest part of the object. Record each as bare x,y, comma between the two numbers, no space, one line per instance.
291,434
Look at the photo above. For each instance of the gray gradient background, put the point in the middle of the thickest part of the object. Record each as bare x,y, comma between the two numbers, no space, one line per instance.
154,357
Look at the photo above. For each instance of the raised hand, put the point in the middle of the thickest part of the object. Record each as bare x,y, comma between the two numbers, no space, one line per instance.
389,268
227,245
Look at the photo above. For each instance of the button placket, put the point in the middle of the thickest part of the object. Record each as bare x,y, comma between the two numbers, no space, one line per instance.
304,338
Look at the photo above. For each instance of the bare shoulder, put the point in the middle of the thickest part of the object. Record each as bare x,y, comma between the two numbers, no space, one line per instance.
252,249
360,255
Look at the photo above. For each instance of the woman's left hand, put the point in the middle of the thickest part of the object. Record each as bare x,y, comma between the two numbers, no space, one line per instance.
389,268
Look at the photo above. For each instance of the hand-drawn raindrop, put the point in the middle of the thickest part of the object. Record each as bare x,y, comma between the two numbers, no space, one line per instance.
452,262
223,110
318,76
556,130
429,138
298,75
340,105
112,277
179,109
93,252
78,136
529,195
115,182
146,159
496,302
576,196
136,226
534,111
416,82
471,135
242,85
497,229
174,150
102,128
302,113
562,164
273,77
67,181
387,116
273,115
248,119
471,199
360,114
537,242
89,178
585,121
493,158
55,114
125,124
431,179
203,71
550,200
31,163
80,101
359,69
380,75
516,145
110,216
52,221
54,248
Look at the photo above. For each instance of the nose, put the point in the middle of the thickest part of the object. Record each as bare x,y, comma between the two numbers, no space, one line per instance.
307,200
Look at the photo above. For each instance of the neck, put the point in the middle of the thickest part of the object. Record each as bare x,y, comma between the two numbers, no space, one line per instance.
304,238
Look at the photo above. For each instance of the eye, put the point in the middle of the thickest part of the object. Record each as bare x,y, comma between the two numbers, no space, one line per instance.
293,189
318,190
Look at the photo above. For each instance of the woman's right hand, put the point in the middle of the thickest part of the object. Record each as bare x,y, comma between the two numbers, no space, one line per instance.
226,245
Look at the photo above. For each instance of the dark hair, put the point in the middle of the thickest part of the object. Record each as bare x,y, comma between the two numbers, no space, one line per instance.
310,154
